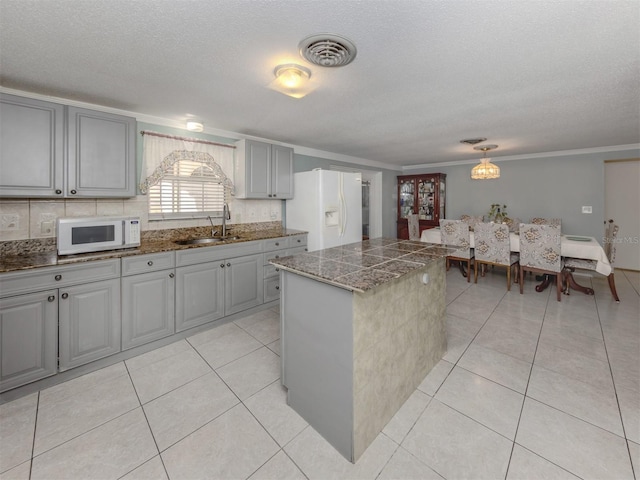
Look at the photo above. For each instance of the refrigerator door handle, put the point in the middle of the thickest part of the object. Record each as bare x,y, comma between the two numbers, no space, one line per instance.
343,206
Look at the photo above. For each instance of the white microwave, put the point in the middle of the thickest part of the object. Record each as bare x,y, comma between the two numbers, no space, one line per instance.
95,234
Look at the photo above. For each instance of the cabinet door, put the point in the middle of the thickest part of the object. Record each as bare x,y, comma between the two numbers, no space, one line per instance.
199,294
258,169
244,284
271,288
102,155
31,147
89,317
147,307
281,172
28,338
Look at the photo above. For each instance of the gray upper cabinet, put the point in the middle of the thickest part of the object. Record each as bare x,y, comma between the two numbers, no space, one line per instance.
102,154
51,150
28,338
31,147
263,170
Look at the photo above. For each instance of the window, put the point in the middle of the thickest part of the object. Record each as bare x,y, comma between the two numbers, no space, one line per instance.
187,185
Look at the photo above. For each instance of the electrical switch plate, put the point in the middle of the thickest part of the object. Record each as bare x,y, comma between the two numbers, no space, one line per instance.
587,209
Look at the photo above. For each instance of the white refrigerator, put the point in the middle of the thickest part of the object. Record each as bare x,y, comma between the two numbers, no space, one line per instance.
328,205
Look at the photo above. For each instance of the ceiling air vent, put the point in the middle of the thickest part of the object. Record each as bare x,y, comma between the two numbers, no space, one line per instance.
473,141
327,50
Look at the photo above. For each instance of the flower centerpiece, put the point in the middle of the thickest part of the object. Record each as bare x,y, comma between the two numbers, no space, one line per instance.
497,213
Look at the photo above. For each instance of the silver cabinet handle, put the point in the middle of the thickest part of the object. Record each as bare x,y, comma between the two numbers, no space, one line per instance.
228,264
277,244
277,287
73,192
51,298
58,278
277,269
222,265
171,275
58,192
150,263
65,295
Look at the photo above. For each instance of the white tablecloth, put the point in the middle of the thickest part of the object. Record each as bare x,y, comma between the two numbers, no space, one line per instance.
590,250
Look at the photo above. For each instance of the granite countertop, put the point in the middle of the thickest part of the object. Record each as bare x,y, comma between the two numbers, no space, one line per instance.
28,257
364,265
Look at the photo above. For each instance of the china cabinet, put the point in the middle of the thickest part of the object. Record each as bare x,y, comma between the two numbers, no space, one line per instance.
423,195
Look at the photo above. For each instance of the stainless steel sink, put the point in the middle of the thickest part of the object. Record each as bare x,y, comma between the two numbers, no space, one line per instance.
196,241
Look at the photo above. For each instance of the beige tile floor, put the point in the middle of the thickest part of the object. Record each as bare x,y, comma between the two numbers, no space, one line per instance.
529,389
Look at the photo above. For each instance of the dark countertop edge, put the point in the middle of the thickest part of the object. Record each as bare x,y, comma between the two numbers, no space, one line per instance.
15,263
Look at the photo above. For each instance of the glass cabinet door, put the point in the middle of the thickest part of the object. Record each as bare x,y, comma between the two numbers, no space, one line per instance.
442,201
426,198
407,194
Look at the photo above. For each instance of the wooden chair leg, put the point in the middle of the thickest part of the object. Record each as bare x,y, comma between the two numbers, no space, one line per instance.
559,285
468,270
508,278
475,273
612,287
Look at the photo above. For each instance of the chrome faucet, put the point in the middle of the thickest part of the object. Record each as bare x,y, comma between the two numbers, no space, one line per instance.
226,215
213,228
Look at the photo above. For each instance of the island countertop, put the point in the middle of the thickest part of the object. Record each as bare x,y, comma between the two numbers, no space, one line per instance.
362,266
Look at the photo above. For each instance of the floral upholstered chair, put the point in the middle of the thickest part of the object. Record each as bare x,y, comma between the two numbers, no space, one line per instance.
610,234
546,221
493,247
456,232
471,220
512,223
540,252
414,226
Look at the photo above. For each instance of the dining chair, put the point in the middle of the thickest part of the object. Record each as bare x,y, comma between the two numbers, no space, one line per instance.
610,234
546,221
472,220
414,226
493,247
456,233
540,252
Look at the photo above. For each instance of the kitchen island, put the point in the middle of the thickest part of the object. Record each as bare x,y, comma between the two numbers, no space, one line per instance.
361,326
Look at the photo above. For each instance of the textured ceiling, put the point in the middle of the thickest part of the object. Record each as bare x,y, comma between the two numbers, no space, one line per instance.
531,76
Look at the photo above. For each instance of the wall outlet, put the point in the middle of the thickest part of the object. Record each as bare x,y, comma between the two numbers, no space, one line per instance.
46,228
587,209
9,221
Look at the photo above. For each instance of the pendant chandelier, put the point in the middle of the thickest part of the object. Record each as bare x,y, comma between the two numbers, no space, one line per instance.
485,170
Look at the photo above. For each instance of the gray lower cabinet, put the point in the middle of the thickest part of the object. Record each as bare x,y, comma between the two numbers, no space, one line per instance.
89,322
29,338
206,292
52,150
148,304
148,298
199,294
277,248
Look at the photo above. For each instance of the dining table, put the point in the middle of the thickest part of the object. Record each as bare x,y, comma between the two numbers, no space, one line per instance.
575,246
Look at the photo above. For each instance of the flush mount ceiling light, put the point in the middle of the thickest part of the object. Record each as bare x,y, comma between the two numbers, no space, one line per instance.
292,80
327,50
485,170
473,141
193,126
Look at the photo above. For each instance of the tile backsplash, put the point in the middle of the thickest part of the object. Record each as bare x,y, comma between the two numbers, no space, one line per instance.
35,218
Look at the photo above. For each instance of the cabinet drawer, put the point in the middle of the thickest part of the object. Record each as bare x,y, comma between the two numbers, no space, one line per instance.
274,255
271,271
276,244
271,288
14,283
297,241
147,263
